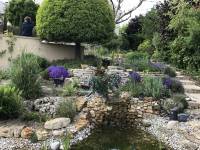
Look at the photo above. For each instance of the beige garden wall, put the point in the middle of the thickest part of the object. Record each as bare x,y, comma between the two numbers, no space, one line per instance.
50,51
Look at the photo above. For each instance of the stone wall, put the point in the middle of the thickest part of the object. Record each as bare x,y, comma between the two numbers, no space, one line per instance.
126,112
50,51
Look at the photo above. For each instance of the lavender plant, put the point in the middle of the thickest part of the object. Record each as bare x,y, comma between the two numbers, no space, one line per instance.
135,76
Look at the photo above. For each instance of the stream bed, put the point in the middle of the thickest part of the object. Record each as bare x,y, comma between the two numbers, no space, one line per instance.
115,139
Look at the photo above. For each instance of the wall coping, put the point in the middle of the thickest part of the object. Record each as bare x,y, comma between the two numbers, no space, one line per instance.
43,41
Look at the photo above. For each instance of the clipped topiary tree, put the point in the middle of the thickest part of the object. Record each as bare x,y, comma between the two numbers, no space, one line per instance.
79,21
18,9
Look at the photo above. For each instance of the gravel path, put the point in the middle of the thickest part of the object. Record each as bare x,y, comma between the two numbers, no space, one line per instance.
172,137
18,144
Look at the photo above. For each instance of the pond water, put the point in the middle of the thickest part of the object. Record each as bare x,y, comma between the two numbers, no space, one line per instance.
115,139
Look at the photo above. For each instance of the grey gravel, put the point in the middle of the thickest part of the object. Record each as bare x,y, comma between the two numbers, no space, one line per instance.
173,138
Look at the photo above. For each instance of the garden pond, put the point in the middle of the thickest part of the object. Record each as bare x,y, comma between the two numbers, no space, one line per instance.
115,139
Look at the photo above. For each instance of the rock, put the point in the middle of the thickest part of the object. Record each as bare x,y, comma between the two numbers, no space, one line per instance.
172,124
48,105
6,132
17,131
55,145
29,105
92,113
58,132
146,123
26,133
80,103
42,134
183,117
125,96
81,123
57,123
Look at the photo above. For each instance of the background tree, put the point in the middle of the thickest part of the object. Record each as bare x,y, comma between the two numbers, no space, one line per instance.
122,15
185,48
18,9
150,24
132,34
75,21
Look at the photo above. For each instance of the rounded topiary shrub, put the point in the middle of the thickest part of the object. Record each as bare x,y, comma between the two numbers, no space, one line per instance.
10,102
75,20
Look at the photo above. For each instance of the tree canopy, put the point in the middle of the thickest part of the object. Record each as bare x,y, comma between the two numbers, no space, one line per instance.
18,9
75,21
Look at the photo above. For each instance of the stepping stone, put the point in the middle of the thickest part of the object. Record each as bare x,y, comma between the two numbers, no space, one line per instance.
194,97
181,77
193,105
187,82
192,89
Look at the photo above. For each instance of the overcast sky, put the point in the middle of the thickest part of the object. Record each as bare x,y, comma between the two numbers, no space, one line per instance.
146,6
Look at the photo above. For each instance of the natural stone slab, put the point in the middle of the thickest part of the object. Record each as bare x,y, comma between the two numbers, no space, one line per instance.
57,123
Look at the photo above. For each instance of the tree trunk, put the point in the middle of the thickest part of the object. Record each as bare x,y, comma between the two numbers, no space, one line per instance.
78,51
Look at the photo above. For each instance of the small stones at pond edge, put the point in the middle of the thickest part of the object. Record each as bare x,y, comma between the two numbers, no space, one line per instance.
55,145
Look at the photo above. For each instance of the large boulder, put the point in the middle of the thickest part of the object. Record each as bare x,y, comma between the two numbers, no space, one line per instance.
57,123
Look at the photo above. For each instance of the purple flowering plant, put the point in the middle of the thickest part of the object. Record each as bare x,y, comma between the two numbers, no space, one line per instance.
167,82
159,66
58,72
135,76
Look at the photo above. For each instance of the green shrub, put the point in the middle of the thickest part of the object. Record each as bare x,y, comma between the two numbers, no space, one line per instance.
136,89
149,87
136,55
178,100
176,86
4,75
170,72
45,74
43,63
10,102
70,89
24,75
34,138
67,109
102,84
113,44
33,116
153,87
146,46
139,61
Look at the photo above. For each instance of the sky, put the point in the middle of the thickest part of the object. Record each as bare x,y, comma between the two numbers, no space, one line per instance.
146,6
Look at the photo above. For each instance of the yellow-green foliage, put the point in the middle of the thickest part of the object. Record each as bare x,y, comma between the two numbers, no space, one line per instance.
75,20
10,102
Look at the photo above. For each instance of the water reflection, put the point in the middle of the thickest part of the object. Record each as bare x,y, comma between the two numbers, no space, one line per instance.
115,139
